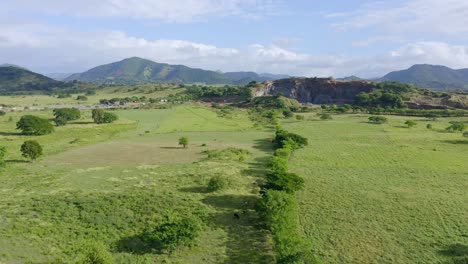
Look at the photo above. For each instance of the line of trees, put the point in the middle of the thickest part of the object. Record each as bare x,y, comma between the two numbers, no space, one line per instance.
278,206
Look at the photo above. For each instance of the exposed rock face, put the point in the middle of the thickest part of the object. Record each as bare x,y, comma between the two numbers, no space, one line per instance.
315,90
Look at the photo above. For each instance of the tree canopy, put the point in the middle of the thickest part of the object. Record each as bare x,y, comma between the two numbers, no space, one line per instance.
34,125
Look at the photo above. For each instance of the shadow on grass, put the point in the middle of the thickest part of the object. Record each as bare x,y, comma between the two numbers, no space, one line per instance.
456,142
10,134
82,123
247,241
195,189
263,145
17,161
136,245
457,252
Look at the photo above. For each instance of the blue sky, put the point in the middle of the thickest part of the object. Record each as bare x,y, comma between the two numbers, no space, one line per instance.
303,38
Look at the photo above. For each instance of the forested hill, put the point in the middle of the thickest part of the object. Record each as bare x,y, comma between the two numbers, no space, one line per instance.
137,70
431,76
13,79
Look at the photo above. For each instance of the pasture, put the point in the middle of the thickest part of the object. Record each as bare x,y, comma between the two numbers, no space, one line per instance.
382,193
110,182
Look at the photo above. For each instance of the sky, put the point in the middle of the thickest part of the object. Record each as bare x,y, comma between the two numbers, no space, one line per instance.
296,37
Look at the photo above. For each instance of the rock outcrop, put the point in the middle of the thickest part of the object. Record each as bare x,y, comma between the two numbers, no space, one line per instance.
315,90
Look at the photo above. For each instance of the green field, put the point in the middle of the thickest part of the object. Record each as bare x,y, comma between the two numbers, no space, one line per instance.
373,193
97,184
382,193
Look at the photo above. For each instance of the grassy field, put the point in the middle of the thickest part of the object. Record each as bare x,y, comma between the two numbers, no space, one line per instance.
150,91
109,182
374,193
382,193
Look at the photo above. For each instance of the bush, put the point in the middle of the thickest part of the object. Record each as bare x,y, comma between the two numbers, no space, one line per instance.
34,125
377,119
3,152
456,126
284,137
287,113
31,149
284,181
173,233
465,134
299,117
429,126
217,183
326,116
2,113
410,123
96,253
81,98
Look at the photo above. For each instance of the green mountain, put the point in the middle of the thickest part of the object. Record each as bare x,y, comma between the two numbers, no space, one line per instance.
14,79
137,70
431,76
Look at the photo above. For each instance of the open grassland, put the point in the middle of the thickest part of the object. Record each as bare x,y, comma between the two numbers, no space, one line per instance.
87,189
383,193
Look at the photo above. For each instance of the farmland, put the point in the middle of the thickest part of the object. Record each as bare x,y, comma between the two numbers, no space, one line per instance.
373,193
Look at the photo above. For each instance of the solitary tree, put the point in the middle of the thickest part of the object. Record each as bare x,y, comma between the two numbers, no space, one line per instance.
62,116
101,117
34,125
410,123
183,141
31,149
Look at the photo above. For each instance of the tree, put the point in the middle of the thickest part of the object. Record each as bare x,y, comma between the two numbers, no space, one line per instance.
101,117
410,123
183,141
287,113
34,125
31,149
62,116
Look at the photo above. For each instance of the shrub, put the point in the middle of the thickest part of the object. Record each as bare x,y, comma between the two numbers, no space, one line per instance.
96,253
429,126
465,134
34,125
287,113
284,181
2,113
326,116
284,137
217,183
456,126
173,233
377,119
299,117
31,149
81,98
410,123
3,152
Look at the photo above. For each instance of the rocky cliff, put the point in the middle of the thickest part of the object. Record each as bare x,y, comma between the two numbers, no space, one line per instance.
315,90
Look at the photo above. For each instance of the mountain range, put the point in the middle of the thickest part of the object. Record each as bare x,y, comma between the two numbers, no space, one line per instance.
137,70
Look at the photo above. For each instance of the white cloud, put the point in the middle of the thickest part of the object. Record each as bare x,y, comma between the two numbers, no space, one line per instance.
448,17
53,49
171,11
